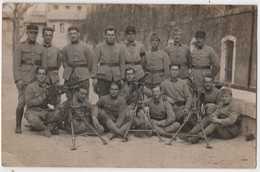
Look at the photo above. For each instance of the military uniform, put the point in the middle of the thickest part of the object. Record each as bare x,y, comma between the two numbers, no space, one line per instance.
86,110
37,111
157,63
211,100
27,57
134,54
180,93
162,116
77,62
180,54
109,65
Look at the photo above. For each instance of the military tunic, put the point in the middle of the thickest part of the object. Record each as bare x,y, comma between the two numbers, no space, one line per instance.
27,57
180,54
134,55
204,60
212,99
157,63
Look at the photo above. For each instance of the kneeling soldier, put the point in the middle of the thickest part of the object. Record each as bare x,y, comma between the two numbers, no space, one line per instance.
161,113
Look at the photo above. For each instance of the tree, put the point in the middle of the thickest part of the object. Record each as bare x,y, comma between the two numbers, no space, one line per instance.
16,14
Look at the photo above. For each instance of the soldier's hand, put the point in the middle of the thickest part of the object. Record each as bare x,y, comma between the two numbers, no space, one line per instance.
94,83
215,120
19,84
186,111
95,122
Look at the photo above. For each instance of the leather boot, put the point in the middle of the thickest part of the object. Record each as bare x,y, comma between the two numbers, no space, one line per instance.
19,117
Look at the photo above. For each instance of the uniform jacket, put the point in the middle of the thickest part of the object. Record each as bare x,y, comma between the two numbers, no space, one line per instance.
77,54
178,91
213,96
134,52
206,57
160,110
156,60
53,61
116,108
112,58
228,113
31,54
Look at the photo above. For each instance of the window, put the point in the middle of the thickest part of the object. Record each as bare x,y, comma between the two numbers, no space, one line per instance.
79,7
61,27
67,7
55,7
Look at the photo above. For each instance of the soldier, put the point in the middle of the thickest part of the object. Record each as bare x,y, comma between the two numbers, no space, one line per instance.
27,57
112,112
204,60
178,90
179,53
161,113
134,52
110,57
37,111
156,62
53,61
77,58
81,107
222,123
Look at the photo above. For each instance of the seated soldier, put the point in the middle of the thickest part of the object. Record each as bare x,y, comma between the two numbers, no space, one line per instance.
81,106
222,123
161,113
178,90
37,111
112,111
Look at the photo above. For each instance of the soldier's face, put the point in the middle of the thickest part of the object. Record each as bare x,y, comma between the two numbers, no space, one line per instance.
130,75
74,35
154,43
32,36
208,83
41,75
113,91
175,71
226,98
157,93
110,36
199,41
81,94
47,36
130,36
177,36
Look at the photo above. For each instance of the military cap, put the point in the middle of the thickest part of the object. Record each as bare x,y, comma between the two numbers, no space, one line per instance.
32,28
47,29
130,29
154,36
73,28
226,91
201,34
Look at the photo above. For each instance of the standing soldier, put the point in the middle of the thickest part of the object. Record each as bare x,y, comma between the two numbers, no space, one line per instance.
156,62
204,60
179,53
53,61
77,58
109,64
134,52
27,57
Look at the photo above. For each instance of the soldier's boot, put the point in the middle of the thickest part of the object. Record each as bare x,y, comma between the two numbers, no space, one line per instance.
115,129
19,117
207,131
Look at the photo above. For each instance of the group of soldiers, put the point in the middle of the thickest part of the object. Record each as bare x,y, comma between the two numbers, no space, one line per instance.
130,82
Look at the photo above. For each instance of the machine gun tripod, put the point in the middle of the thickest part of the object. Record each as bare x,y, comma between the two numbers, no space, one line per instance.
198,100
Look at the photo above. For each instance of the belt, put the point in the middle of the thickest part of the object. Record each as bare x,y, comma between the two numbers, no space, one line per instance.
182,103
53,68
133,63
200,67
31,62
78,65
110,64
155,71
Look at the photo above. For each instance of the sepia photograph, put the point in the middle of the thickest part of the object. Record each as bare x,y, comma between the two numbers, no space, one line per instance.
129,85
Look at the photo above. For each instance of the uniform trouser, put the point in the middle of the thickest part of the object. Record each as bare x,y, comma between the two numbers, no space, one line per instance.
21,98
37,118
198,75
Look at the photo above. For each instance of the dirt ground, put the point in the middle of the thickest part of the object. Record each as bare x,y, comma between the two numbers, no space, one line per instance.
30,149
